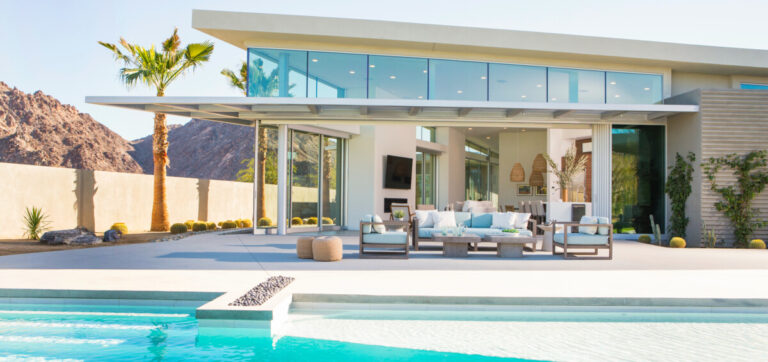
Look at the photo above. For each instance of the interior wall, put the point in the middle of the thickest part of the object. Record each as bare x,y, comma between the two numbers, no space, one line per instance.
517,146
395,141
560,140
450,166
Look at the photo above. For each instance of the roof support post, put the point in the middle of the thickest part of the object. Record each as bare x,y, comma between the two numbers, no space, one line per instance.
282,182
256,125
601,169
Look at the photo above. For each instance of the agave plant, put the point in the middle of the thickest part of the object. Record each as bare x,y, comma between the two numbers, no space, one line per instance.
572,166
35,223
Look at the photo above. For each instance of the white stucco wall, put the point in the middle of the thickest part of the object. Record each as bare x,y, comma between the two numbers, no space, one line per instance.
451,168
517,146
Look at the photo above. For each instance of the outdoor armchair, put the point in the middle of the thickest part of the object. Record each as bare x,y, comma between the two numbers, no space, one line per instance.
395,242
569,240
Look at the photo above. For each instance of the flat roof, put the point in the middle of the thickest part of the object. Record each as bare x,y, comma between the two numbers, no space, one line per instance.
241,29
346,111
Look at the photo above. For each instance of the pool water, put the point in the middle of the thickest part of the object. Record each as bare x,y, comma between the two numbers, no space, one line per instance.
41,332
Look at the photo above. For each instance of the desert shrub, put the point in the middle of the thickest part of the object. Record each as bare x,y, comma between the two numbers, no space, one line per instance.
245,223
264,222
296,221
757,244
229,224
312,220
121,227
199,226
179,228
677,242
327,221
211,226
35,223
219,223
644,239
189,224
678,187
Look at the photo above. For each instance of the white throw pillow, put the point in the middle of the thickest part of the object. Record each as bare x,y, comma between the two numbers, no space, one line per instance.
468,205
444,219
425,219
367,228
591,230
381,229
504,220
521,220
603,230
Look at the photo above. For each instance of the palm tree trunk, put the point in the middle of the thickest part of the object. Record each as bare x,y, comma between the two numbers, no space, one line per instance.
261,179
160,157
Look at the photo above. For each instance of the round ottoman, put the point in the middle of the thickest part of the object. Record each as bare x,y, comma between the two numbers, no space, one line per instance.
304,247
327,248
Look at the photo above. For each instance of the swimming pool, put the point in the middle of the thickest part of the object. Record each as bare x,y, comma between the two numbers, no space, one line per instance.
82,331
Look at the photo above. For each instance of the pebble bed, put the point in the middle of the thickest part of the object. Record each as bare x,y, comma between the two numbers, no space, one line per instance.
262,292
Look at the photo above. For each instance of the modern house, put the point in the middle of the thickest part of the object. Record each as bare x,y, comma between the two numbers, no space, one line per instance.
475,110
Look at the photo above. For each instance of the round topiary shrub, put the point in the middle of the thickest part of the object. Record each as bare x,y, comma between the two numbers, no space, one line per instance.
219,223
644,239
264,222
121,227
179,228
199,226
245,223
211,226
677,242
312,220
297,221
189,224
229,225
757,244
327,221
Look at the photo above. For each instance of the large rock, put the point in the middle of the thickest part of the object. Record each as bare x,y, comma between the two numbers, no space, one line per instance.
77,236
112,235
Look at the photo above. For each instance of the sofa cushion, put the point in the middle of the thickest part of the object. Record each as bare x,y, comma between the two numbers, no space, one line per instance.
424,217
582,239
367,228
426,233
521,220
603,230
482,220
444,219
591,230
482,232
463,218
381,229
390,237
503,220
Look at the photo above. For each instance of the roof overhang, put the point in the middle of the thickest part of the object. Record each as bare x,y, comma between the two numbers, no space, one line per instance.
275,110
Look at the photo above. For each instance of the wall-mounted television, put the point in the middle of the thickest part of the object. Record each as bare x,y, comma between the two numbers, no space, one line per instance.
397,174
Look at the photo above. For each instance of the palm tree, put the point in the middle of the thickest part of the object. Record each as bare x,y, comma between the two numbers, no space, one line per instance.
159,69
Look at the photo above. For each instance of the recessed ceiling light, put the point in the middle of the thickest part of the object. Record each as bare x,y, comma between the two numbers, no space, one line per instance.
523,130
612,83
459,91
372,66
314,60
425,71
646,89
470,128
554,99
487,137
617,96
483,77
538,86
420,97
351,72
392,77
523,96
505,127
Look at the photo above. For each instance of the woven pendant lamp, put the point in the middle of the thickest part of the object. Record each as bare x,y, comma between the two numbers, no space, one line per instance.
539,164
517,174
536,179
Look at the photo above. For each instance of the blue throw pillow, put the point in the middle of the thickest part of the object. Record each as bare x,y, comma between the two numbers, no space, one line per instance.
482,221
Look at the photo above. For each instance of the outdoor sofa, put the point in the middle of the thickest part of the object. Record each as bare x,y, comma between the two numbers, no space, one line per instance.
474,223
594,233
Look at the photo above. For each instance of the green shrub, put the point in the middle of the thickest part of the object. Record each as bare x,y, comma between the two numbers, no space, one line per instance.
189,224
179,228
296,221
229,224
264,222
245,223
644,239
398,214
677,242
35,223
327,221
211,226
220,222
312,220
757,244
121,227
199,226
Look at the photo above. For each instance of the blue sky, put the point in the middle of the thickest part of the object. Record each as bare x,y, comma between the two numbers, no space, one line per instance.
51,45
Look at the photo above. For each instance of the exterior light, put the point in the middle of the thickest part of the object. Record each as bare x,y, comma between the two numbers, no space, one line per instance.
487,137
483,77
425,71
470,128
420,97
351,72
372,66
617,96
314,60
554,99
523,130
459,91
646,89
538,86
612,83
523,96
392,77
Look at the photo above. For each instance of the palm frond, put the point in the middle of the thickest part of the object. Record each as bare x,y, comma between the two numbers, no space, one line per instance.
198,53
172,44
234,80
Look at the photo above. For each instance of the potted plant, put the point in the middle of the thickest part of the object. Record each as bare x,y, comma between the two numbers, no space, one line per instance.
571,167
399,215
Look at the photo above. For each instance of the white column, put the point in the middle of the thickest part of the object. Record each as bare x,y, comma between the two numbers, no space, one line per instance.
282,175
602,148
255,174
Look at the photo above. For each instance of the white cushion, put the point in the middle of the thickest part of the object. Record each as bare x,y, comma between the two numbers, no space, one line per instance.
603,230
381,229
425,219
591,230
521,220
367,228
468,205
444,219
504,220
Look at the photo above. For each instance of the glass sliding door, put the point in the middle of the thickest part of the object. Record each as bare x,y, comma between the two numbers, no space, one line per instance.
476,179
425,178
304,169
331,181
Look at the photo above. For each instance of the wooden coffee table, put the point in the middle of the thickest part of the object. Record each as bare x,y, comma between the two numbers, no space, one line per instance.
509,245
456,246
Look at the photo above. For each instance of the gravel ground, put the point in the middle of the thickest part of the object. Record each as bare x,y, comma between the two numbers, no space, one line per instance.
262,292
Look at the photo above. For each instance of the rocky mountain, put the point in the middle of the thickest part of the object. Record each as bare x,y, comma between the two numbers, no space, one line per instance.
37,129
202,149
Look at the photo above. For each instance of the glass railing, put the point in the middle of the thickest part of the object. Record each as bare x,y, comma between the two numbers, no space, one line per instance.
310,74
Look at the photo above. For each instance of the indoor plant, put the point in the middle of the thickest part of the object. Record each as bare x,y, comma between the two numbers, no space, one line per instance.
572,166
